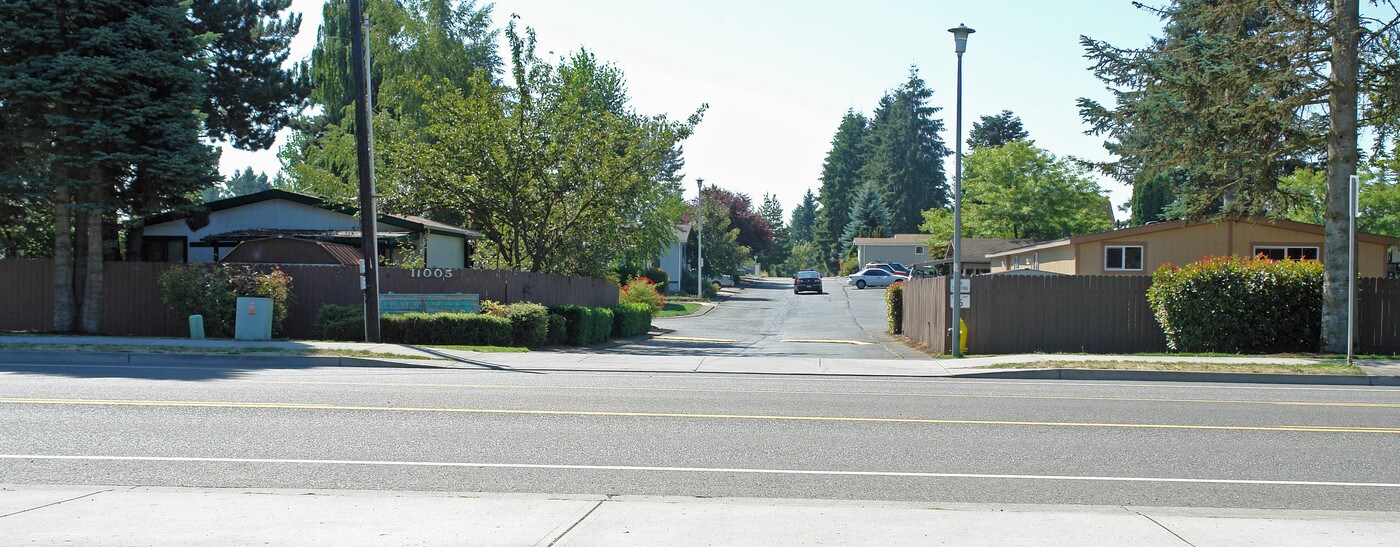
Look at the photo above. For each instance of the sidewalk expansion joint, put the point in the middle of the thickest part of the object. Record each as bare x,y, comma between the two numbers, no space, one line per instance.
1159,525
56,503
585,516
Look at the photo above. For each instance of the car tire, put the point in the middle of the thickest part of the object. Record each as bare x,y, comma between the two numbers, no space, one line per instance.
795,291
860,283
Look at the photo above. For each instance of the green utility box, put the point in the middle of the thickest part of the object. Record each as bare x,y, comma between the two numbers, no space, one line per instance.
254,319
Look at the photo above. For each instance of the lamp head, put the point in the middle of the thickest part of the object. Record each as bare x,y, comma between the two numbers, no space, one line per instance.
960,34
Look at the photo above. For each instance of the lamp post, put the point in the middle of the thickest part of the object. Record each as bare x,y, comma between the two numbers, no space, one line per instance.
960,34
699,238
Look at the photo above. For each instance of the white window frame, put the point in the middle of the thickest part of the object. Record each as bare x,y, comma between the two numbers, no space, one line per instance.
919,250
1142,258
1317,251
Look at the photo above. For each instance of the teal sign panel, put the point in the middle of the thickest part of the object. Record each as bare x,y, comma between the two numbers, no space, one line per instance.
429,303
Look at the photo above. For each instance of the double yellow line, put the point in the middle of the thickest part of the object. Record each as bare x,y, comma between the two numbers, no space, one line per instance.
681,415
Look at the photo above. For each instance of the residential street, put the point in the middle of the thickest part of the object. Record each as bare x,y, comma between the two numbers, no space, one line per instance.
766,318
836,438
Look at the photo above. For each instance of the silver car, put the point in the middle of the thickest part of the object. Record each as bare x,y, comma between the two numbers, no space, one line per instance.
874,277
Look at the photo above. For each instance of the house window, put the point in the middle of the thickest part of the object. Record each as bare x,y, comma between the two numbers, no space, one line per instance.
163,249
918,250
1281,252
1122,258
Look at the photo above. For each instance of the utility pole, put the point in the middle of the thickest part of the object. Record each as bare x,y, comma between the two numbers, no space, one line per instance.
364,152
700,238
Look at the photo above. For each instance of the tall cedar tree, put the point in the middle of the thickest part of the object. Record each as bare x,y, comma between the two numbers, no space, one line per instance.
804,219
248,92
869,217
1279,82
772,212
840,178
112,90
905,154
996,130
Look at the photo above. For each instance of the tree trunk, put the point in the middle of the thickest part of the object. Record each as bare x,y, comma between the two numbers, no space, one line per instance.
1341,164
62,259
92,283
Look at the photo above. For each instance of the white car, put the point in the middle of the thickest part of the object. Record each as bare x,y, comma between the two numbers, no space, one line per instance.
874,277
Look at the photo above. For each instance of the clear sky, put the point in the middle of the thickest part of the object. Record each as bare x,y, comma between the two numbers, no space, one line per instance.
779,74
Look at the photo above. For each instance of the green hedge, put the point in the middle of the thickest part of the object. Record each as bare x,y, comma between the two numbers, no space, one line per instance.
894,307
558,331
1239,305
465,329
631,319
345,323
529,324
585,326
212,290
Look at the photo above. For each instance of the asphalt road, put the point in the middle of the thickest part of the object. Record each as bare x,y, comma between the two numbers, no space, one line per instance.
934,440
766,318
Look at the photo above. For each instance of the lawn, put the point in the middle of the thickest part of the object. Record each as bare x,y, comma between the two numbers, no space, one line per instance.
673,309
1256,368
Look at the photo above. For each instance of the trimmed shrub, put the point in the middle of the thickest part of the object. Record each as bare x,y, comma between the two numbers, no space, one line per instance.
468,329
578,323
529,324
641,291
212,290
631,319
894,307
558,330
1236,305
658,277
688,285
602,325
346,323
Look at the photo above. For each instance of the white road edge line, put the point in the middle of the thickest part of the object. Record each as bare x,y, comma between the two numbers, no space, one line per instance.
913,474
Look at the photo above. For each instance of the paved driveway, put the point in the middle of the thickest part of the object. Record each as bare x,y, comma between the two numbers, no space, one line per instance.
767,319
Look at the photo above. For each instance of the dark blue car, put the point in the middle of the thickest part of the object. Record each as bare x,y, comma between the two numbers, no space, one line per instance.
807,280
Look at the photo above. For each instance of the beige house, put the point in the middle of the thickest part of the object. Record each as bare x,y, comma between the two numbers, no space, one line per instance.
902,248
1141,250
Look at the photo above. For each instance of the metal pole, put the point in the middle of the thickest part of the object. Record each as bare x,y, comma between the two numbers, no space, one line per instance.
700,238
364,146
955,292
1351,266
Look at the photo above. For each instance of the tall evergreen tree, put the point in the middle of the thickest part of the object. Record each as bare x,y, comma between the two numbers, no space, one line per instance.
869,217
840,178
905,154
996,130
1234,93
772,212
1153,199
111,92
804,219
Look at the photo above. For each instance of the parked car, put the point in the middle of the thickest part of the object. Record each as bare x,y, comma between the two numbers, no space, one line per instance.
874,277
807,280
892,267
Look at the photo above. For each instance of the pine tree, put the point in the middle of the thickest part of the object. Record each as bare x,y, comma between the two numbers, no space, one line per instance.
840,177
869,217
905,154
772,212
804,219
996,130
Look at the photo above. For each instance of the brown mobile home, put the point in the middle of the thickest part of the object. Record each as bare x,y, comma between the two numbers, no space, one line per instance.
1141,250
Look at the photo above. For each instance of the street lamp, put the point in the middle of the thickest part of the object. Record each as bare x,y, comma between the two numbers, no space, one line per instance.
699,238
960,34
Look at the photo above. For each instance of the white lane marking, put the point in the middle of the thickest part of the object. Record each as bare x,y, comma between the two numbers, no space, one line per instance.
914,474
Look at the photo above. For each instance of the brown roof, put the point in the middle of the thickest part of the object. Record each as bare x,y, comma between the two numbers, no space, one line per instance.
898,239
1177,224
288,250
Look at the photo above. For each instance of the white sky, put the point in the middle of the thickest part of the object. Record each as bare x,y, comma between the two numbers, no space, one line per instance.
779,74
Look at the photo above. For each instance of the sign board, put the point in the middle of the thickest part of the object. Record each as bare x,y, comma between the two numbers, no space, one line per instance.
966,301
429,303
963,282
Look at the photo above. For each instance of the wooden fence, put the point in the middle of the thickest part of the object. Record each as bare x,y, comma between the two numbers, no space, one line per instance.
132,306
1091,314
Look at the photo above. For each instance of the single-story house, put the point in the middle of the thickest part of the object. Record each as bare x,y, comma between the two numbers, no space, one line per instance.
1140,250
974,254
274,214
672,261
902,248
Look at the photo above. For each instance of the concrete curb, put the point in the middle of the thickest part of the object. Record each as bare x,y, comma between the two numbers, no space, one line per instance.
1181,376
206,359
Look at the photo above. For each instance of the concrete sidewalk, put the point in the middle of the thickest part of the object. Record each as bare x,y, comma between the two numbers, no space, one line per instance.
1379,372
47,515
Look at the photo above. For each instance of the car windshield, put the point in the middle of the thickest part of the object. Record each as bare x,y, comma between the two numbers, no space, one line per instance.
873,272
898,266
808,275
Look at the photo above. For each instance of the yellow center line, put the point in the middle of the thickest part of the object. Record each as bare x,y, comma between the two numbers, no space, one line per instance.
832,392
542,412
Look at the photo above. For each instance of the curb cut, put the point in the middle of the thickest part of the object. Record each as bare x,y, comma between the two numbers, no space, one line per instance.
205,359
1181,376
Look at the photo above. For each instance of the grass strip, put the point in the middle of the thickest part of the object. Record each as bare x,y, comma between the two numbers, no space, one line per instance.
1341,369
675,309
249,350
